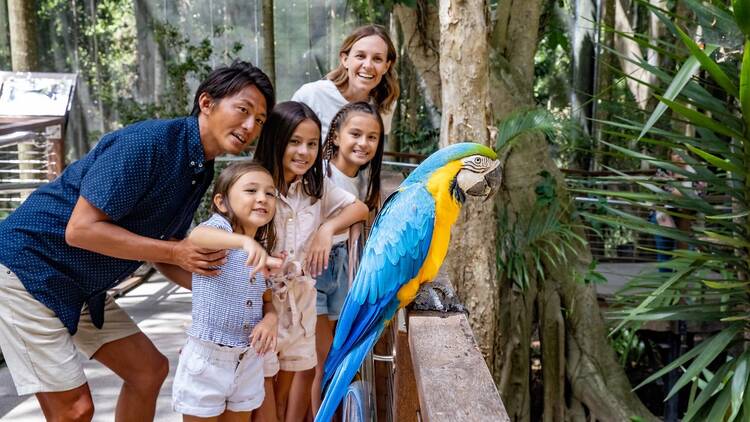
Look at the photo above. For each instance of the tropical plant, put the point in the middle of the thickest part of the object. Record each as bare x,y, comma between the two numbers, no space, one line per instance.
706,278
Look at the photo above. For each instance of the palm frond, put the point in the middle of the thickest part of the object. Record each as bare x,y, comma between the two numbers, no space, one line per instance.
524,122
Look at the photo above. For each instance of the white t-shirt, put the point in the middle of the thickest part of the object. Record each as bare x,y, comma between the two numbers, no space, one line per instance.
356,185
325,100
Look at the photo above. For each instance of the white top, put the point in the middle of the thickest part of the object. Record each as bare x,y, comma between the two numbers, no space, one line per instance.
325,100
298,217
356,185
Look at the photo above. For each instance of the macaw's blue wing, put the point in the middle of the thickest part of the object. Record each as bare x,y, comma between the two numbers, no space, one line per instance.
394,254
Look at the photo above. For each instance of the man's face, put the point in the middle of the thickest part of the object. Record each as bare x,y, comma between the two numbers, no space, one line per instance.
231,124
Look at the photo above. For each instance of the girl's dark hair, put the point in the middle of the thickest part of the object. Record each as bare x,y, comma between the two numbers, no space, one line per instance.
226,81
330,150
386,93
266,235
277,131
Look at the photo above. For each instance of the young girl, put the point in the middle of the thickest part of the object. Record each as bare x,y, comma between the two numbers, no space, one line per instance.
309,211
354,146
220,371
365,72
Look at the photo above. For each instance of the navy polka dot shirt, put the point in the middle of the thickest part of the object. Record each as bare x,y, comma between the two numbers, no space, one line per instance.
148,178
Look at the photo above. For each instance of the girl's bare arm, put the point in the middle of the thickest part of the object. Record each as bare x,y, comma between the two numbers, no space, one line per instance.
317,256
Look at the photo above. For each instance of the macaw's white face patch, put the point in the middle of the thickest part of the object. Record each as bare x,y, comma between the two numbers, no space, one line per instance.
479,175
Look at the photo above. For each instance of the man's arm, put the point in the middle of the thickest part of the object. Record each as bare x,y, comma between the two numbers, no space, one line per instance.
91,229
176,274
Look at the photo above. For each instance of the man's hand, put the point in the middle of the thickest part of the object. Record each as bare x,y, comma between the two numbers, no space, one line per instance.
197,260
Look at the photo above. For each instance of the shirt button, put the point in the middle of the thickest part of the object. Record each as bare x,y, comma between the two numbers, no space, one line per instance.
193,182
246,326
192,163
291,219
200,164
249,303
291,251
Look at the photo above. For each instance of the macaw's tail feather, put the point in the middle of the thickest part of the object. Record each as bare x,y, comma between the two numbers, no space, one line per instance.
339,382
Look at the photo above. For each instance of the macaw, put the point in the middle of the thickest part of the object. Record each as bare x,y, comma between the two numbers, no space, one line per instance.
407,245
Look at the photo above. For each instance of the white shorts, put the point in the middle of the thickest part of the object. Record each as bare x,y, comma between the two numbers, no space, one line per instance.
41,354
211,378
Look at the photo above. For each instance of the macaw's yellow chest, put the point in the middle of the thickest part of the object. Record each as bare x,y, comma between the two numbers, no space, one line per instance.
446,213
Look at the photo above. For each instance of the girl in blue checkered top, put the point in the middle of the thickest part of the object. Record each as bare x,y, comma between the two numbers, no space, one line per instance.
220,371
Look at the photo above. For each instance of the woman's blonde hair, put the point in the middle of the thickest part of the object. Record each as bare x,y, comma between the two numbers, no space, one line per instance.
387,91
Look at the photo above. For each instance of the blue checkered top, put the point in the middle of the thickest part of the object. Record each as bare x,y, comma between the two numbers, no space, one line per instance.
227,307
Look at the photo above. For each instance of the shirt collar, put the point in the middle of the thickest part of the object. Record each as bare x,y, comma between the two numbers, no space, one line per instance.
195,148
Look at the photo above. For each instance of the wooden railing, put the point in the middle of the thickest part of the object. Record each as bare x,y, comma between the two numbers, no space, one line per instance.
433,369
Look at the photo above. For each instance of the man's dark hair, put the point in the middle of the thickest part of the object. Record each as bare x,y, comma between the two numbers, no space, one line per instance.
226,81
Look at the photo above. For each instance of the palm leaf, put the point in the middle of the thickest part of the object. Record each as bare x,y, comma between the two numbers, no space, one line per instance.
700,119
739,382
525,122
714,385
683,76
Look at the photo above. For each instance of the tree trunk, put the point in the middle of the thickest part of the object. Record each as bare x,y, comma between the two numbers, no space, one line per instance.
146,47
628,48
584,55
421,41
4,36
269,61
604,65
464,69
22,23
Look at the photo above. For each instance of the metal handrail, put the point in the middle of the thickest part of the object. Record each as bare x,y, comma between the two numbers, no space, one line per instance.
20,137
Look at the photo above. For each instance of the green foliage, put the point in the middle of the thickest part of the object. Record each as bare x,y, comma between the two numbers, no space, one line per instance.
628,346
707,277
552,64
527,121
742,15
540,240
186,60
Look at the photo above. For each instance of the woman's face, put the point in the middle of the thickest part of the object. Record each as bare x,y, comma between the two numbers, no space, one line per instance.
365,65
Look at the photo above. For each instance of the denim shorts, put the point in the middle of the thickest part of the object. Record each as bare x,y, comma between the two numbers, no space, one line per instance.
333,283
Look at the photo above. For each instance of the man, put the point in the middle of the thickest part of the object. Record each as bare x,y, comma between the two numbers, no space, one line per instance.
129,200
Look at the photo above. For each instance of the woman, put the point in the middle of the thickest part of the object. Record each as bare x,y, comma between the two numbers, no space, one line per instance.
365,73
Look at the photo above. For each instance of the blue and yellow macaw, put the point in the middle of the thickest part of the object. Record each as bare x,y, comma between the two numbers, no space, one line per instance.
406,247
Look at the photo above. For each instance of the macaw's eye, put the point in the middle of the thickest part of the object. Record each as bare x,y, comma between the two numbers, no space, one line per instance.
478,160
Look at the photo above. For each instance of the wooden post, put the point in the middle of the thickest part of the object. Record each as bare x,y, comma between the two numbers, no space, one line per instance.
383,376
55,157
406,405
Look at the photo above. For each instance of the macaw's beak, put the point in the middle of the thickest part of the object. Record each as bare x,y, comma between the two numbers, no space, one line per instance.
489,184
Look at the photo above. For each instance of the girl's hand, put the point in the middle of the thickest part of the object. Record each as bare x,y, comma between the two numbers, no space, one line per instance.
263,336
276,263
320,249
256,256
